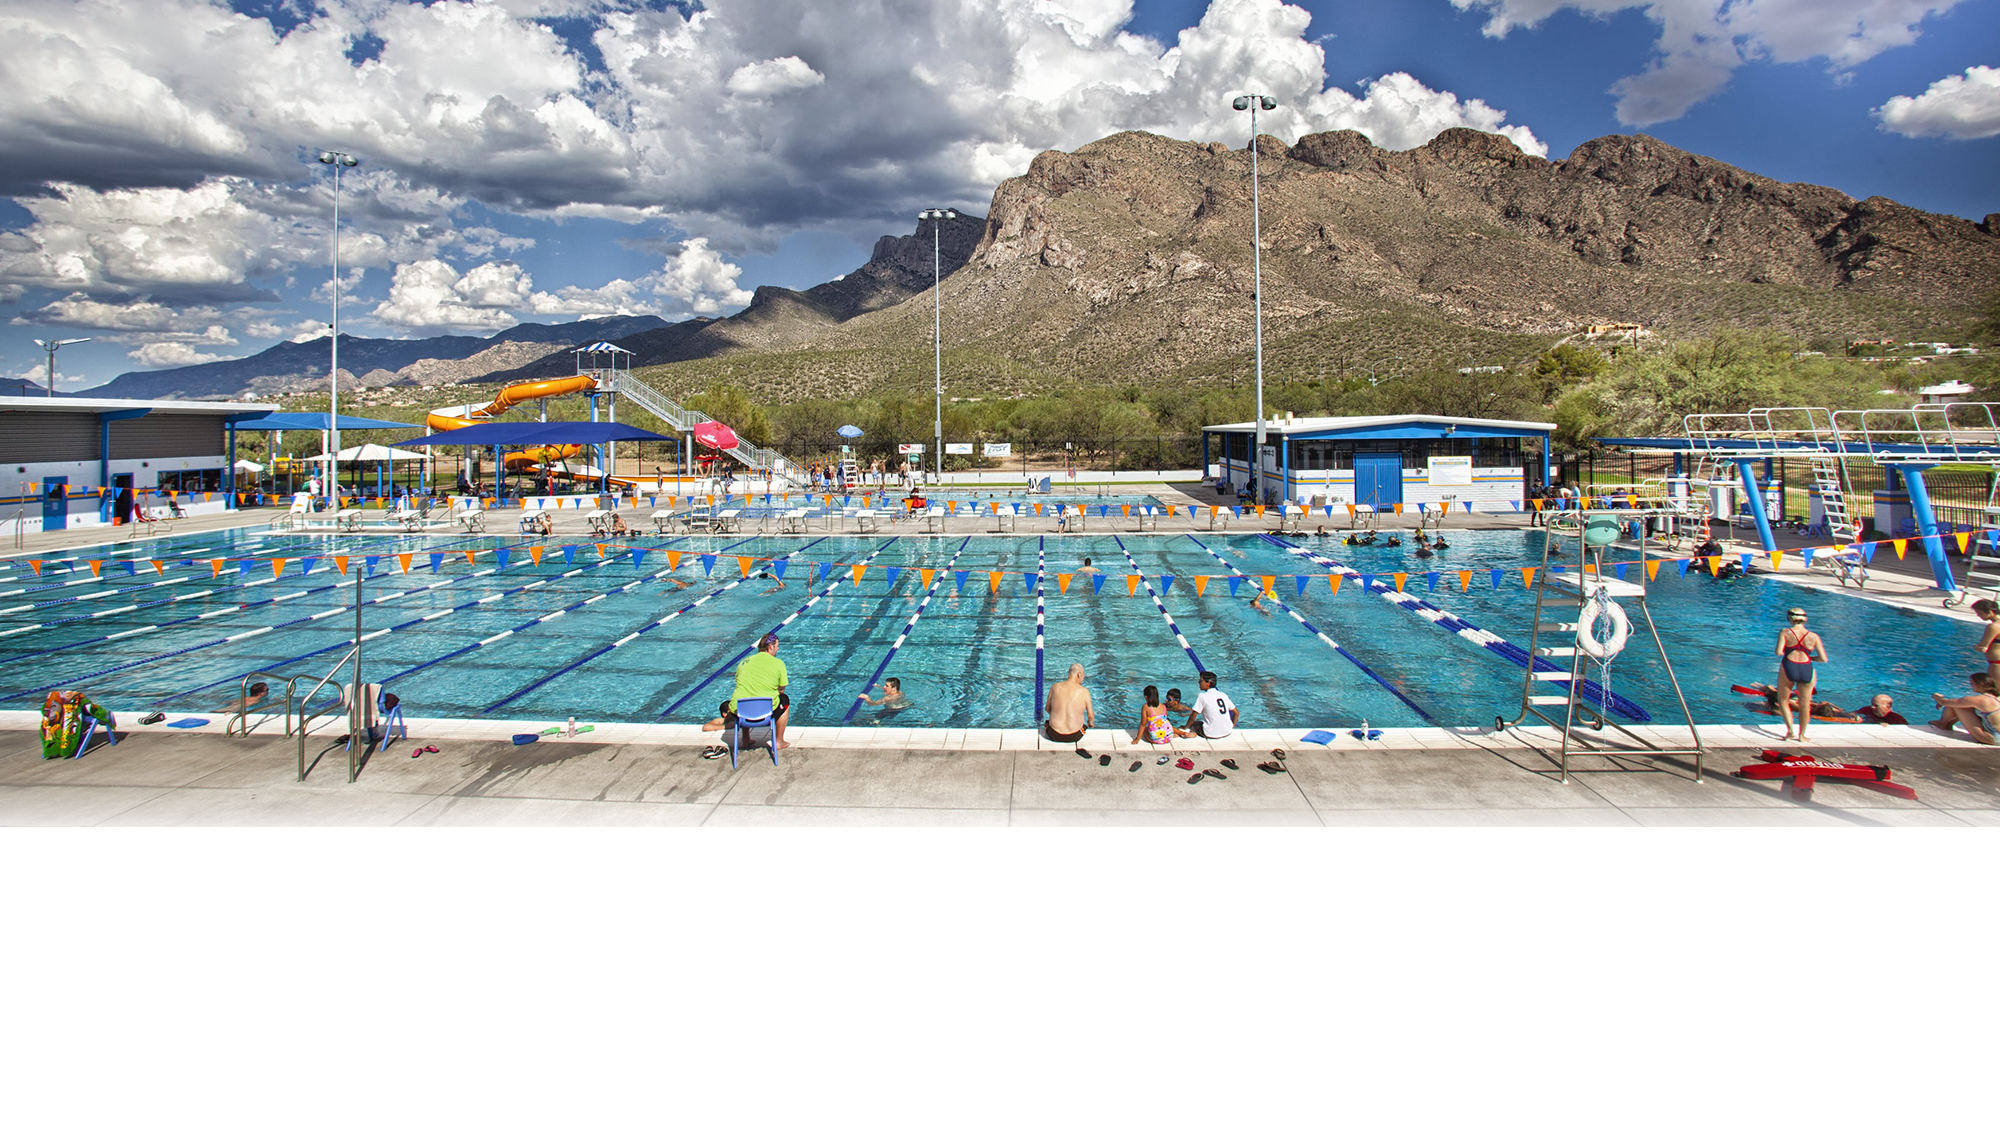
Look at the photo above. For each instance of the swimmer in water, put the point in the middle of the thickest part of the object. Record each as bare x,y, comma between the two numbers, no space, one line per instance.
892,700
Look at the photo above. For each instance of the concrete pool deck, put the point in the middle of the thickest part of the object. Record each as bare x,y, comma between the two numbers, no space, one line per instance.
640,774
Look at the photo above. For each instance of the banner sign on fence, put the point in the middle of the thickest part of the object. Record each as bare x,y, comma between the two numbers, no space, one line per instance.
910,447
958,448
999,449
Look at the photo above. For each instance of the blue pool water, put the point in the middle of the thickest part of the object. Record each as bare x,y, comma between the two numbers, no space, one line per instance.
602,639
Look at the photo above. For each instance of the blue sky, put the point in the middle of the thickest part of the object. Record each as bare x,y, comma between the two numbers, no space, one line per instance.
547,159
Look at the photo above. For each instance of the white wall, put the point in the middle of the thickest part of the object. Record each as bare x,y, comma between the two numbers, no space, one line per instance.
83,510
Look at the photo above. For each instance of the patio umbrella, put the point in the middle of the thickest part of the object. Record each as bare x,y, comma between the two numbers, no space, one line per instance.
715,435
249,466
849,431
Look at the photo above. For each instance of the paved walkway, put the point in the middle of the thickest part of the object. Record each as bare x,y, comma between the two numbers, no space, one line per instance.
628,774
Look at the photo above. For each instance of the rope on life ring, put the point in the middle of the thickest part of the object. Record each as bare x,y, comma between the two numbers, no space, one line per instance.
1586,632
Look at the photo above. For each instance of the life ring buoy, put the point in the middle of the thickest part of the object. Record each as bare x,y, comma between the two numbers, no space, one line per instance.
1586,638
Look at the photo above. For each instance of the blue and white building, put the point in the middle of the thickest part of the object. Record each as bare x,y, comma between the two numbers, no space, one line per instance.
1382,459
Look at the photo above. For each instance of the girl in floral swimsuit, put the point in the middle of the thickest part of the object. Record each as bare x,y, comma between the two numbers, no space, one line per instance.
1155,728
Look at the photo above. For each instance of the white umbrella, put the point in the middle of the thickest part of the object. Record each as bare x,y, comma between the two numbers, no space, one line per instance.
366,453
249,466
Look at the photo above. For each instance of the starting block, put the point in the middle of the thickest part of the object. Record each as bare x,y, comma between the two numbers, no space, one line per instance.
1800,771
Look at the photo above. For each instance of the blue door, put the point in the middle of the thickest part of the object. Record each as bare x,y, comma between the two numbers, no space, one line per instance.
1378,479
55,503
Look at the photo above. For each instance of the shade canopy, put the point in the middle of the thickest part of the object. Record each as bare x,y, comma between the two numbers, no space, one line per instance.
249,466
538,433
849,431
371,452
715,435
321,420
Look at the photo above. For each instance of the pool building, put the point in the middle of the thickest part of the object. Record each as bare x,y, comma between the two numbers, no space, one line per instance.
1381,459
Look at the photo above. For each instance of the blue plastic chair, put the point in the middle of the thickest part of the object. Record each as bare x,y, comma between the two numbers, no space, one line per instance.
755,712
92,727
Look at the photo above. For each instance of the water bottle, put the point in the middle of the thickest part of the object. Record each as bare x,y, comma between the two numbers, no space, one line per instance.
572,727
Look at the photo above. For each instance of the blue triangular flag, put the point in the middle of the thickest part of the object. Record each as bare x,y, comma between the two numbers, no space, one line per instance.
778,566
708,564
371,561
241,568
1166,582
1468,505
824,570
960,576
1516,503
306,565
1746,563
501,555
638,557
1422,507
1619,570
1031,579
1684,567
569,554
1431,580
1097,583
437,560
1993,539
1235,580
1868,551
1495,576
1557,569
129,568
892,573
1302,580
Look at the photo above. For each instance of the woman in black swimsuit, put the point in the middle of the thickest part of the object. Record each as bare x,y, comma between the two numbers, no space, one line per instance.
1798,648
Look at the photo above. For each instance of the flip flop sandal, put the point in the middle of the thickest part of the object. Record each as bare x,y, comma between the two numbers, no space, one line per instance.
1231,763
1215,773
1134,768
1266,767
1278,754
1104,759
422,750
155,717
1163,760
1194,780
1184,763
712,753
1082,753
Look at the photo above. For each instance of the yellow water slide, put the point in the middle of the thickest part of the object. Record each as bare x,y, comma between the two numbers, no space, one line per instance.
448,418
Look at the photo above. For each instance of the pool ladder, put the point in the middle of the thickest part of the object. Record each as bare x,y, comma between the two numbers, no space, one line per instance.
1558,610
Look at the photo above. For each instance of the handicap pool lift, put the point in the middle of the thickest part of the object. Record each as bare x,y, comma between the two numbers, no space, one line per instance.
1577,595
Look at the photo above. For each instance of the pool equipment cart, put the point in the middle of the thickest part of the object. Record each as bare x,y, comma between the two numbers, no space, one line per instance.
1576,594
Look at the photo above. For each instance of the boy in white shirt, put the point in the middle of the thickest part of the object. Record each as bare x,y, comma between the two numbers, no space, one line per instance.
1215,714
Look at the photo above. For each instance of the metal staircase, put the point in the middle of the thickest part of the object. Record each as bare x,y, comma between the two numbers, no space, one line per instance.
684,420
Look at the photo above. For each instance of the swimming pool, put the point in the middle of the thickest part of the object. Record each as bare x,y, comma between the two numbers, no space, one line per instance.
652,637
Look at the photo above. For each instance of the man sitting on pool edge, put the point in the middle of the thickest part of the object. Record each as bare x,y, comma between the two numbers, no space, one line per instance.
1069,710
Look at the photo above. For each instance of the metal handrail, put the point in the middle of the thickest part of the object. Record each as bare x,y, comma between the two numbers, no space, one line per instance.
244,708
305,719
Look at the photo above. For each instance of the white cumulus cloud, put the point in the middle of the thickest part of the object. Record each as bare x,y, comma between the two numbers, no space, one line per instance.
1962,107
1703,42
171,353
772,77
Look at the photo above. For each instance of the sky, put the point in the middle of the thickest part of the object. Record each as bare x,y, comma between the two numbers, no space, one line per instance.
545,160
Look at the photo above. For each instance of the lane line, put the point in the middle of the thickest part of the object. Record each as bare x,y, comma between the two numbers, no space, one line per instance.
929,593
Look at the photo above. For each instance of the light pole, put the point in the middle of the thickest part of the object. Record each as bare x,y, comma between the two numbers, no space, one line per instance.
1254,102
338,160
937,215
50,347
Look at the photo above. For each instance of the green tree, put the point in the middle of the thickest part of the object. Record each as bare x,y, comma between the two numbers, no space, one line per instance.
1566,365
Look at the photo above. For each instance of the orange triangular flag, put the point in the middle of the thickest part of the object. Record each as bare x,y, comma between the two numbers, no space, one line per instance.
1964,543
743,564
1062,583
534,554
1170,511
489,503
993,580
1126,508
951,507
1528,576
673,560
405,560
159,567
215,567
1212,509
278,568
1775,557
995,505
1583,502
1350,513
1260,511
96,565
1268,580
341,562
1537,504
36,565
1590,568
1464,581
472,557
1131,584
1333,582
1901,545
1038,509
1715,566
858,569
1652,570
928,573
600,550
1399,508
1401,577
1200,584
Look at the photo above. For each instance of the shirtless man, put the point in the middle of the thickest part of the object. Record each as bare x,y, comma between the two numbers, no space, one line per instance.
1086,570
1069,709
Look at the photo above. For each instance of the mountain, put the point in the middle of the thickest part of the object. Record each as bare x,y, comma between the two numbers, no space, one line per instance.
900,267
430,360
1130,260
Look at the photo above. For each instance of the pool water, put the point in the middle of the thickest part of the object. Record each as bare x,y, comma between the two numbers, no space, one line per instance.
605,640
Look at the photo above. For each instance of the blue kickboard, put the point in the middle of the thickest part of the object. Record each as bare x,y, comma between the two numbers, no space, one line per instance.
185,723
1320,737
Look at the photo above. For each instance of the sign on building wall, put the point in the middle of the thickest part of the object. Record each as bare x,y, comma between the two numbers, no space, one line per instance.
910,447
999,449
1446,471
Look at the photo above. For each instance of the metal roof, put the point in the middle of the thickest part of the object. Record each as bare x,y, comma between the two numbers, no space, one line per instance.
67,405
1293,426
